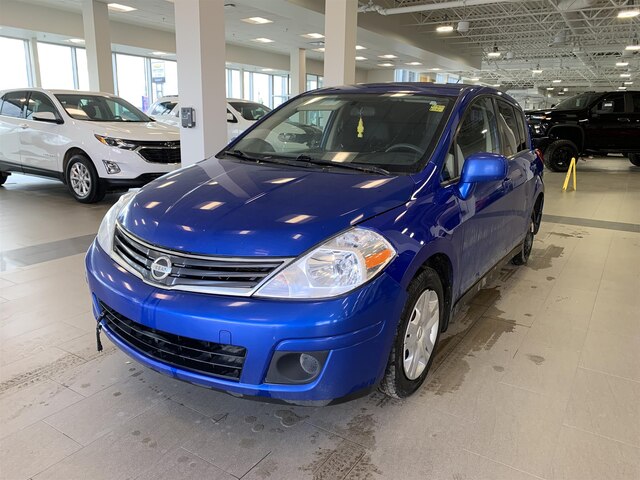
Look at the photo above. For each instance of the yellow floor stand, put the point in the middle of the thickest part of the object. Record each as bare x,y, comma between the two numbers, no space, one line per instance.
572,169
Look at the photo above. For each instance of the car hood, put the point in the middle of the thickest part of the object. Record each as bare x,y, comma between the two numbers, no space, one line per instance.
231,208
144,131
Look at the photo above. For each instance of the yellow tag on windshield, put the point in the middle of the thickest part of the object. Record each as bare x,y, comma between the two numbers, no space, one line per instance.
436,108
360,128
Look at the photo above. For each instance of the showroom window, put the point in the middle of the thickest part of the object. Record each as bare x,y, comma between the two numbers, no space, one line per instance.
280,90
131,79
56,66
234,83
14,52
314,81
164,77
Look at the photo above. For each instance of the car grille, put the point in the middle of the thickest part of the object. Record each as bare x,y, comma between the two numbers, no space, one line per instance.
215,359
161,152
192,272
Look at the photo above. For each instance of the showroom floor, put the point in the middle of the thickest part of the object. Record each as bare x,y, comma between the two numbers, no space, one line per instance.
539,378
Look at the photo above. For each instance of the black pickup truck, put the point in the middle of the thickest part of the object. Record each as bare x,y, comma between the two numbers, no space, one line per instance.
590,123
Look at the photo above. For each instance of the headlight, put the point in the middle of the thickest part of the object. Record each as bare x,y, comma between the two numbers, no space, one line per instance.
338,266
115,142
108,225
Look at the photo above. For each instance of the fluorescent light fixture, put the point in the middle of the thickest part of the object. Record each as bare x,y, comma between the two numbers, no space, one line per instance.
360,47
560,93
628,83
565,89
387,56
263,40
116,7
622,64
257,20
496,85
536,70
557,81
625,75
444,29
387,64
475,79
550,88
413,64
495,53
159,53
321,49
622,87
267,70
76,40
313,35
361,58
633,48
629,13
435,69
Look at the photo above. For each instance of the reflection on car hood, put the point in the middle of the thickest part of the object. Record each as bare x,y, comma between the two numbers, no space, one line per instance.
146,131
225,207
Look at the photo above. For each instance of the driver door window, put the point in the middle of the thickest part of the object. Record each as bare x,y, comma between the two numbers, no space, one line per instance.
613,103
477,133
39,102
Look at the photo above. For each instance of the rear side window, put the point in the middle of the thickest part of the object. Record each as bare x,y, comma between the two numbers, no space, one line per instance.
13,104
522,130
509,128
163,108
636,102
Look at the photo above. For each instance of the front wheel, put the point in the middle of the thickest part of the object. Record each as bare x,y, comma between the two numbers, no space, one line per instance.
522,256
83,181
558,155
634,158
3,177
417,336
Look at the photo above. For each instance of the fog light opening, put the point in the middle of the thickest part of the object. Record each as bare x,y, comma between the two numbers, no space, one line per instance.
309,364
111,167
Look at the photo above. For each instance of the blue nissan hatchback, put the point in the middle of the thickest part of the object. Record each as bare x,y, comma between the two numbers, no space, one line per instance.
322,253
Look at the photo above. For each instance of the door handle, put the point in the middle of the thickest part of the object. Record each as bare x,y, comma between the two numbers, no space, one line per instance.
24,125
623,119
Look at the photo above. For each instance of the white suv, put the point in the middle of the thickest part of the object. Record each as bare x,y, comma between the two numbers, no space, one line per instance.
241,114
93,142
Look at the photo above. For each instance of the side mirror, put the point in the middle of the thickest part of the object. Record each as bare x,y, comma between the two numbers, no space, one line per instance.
45,117
481,167
231,118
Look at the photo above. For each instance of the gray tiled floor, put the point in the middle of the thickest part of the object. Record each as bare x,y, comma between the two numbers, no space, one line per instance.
538,378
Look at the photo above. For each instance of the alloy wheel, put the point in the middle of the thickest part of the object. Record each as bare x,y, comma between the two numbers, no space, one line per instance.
80,178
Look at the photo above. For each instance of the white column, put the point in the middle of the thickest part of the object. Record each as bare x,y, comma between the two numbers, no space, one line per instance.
200,48
97,40
340,28
35,62
298,69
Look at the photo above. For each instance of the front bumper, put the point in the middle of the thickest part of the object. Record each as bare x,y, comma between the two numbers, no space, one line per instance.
356,329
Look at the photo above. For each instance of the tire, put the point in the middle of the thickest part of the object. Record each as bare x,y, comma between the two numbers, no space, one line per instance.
522,257
557,156
83,181
634,158
3,177
401,379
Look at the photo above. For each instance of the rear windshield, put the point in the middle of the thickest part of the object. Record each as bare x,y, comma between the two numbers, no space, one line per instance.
250,111
396,132
578,102
98,108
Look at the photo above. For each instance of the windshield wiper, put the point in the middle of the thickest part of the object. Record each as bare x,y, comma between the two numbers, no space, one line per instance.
351,166
243,156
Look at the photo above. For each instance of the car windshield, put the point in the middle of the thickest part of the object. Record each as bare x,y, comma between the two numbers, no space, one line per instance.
99,108
250,111
396,132
577,102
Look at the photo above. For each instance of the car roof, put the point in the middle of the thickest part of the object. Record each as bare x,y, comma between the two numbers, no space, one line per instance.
55,91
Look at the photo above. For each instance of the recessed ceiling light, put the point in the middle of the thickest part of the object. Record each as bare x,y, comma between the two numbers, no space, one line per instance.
267,70
361,58
622,64
557,81
435,69
116,7
360,47
625,75
76,40
313,35
444,29
263,40
387,64
629,13
159,53
413,64
321,49
257,20
388,55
